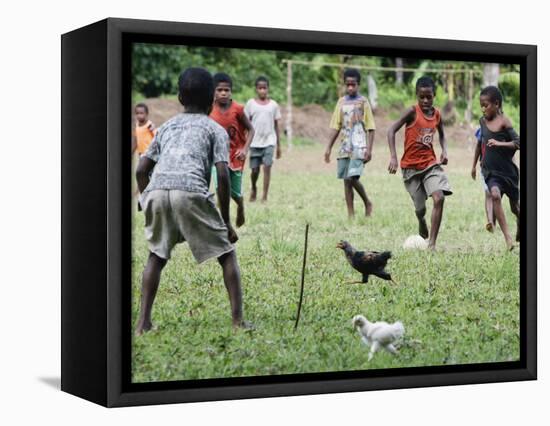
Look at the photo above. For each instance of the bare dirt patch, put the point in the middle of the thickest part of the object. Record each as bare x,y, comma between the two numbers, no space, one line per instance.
311,122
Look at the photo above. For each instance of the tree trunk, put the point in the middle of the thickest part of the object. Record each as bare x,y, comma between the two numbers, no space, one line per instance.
490,74
399,73
373,92
450,85
289,105
343,60
468,111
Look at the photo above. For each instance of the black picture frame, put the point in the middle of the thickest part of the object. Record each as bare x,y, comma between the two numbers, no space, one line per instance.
96,329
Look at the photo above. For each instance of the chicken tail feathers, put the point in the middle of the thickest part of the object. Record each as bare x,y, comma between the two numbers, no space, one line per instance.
398,329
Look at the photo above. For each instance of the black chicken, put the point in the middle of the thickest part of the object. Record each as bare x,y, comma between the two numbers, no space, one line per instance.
367,262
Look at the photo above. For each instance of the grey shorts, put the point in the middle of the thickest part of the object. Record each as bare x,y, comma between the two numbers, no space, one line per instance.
422,183
348,168
174,216
259,156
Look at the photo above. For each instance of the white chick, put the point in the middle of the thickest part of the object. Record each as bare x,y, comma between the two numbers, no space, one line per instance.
378,334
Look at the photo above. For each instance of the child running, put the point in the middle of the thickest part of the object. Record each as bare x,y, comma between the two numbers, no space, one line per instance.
230,115
144,130
499,143
264,113
422,173
353,119
175,200
490,225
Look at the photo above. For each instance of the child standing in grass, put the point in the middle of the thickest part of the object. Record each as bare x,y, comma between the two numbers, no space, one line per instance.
142,134
488,199
264,113
144,130
175,200
230,115
353,120
499,143
422,173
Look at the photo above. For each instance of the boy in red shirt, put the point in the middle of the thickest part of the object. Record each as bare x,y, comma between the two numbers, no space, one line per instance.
422,173
230,115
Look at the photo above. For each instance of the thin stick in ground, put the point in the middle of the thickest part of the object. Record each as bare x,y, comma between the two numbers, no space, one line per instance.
303,277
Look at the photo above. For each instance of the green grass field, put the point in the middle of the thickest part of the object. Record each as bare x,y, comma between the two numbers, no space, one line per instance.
459,305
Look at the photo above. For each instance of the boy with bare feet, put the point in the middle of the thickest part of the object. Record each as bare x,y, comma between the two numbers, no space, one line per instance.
353,120
230,115
264,113
499,143
422,173
175,197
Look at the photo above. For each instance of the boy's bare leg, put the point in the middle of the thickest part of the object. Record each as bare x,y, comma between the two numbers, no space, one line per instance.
501,218
437,213
358,186
267,178
514,206
348,192
240,210
232,280
489,212
149,286
422,225
254,178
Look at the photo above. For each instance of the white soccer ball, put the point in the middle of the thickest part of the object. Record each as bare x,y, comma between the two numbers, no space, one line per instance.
415,242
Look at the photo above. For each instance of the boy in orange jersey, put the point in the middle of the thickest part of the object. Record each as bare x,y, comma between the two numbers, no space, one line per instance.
422,173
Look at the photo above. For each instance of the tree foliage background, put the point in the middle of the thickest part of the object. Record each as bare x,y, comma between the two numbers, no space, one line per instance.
156,67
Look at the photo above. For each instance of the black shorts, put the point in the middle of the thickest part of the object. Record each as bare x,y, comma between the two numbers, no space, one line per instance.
505,187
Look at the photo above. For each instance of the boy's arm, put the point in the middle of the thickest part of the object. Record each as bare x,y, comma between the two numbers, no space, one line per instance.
143,170
513,143
242,153
368,123
407,118
443,158
335,127
146,164
277,117
223,196
332,138
510,144
477,154
276,123
370,144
